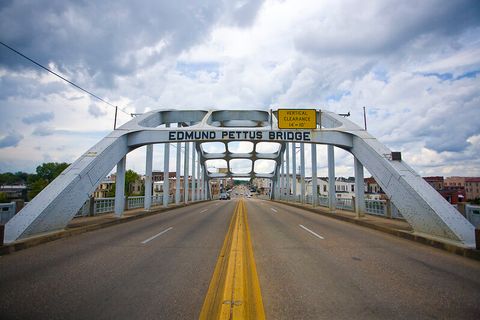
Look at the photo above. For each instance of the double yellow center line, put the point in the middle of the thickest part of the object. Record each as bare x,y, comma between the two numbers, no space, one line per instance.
234,291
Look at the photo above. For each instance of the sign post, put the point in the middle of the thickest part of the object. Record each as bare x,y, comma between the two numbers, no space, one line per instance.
297,119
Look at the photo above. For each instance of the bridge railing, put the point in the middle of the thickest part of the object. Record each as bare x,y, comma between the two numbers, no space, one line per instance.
7,211
135,202
375,207
472,214
107,205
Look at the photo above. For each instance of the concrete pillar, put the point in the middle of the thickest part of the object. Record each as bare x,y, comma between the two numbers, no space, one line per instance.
294,171
120,187
166,173
278,184
331,178
194,182
302,171
287,167
314,174
202,190
91,206
275,187
282,180
199,180
147,203
359,189
177,173
208,190
185,172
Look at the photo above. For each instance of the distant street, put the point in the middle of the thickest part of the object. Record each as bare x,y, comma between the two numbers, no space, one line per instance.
309,267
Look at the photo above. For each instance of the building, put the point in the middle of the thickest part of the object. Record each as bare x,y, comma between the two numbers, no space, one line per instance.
106,186
453,195
472,188
436,182
262,185
158,176
14,192
471,185
372,186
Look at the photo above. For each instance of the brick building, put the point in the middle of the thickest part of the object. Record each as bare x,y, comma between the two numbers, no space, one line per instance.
471,185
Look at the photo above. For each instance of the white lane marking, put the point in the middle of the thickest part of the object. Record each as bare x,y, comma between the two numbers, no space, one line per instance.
203,210
274,210
157,235
315,234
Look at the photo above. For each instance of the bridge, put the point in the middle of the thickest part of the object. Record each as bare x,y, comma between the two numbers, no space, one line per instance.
309,266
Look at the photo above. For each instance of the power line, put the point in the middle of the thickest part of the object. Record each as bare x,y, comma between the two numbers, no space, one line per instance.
64,79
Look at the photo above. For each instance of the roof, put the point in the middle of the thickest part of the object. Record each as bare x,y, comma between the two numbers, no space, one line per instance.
433,179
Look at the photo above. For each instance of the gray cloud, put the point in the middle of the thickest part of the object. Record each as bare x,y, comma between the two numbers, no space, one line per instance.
96,111
10,140
386,27
131,36
38,117
43,131
25,86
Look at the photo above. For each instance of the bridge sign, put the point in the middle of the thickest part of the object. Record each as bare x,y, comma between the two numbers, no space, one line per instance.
297,119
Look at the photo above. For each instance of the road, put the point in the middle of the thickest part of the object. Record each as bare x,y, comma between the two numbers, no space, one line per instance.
309,267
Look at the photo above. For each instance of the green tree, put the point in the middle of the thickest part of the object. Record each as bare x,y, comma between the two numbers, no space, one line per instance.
46,173
130,178
50,170
36,186
111,192
3,197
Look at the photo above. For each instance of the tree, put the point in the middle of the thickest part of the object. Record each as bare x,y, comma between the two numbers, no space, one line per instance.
130,178
3,197
50,170
36,186
46,173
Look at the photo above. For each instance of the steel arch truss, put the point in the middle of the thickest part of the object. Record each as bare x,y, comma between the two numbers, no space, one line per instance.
425,210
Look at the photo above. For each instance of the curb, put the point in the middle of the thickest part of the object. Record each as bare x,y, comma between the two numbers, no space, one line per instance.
65,233
449,247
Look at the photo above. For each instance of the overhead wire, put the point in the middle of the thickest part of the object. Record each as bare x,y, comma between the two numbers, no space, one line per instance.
61,77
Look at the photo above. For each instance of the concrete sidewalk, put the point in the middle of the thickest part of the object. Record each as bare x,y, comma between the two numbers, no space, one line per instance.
396,227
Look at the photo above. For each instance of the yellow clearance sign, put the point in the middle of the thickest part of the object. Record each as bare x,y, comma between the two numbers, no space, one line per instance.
297,119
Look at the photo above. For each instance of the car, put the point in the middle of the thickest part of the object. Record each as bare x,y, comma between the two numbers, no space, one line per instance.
224,196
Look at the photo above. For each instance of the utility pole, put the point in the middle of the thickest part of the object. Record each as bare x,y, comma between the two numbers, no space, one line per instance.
365,118
115,121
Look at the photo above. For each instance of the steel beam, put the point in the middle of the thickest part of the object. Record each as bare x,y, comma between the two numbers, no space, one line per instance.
359,188
332,200
294,171
302,172
314,174
177,173
120,187
148,177
166,174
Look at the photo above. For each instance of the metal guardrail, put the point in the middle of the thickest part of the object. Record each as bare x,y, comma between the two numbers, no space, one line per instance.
135,202
7,211
107,205
472,214
374,207
103,205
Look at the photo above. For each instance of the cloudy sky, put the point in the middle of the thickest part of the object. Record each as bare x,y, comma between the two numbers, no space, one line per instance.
415,66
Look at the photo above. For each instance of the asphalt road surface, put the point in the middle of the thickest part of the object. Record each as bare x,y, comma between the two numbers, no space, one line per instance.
309,267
